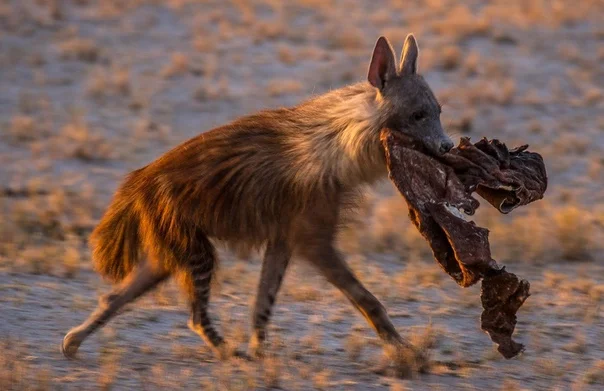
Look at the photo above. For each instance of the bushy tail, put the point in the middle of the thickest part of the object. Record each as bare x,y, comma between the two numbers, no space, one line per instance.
115,241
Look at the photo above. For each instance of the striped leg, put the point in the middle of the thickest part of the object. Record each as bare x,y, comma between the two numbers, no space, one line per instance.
140,280
276,259
198,279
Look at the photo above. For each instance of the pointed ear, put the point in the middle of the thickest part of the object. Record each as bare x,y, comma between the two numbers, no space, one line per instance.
382,67
409,56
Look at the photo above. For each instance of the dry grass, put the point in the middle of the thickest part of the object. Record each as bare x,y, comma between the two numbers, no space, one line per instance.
392,230
451,58
524,236
268,31
19,373
549,367
286,54
346,37
574,232
426,337
528,236
461,22
43,227
77,140
71,262
272,371
213,91
178,66
47,214
521,236
577,346
354,346
80,49
595,374
103,83
312,343
303,292
462,124
472,63
280,87
321,379
23,128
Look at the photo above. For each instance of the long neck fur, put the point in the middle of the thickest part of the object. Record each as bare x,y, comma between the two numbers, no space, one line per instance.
338,137
250,179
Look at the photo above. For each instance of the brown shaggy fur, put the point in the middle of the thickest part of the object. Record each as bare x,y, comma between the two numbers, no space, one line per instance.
244,183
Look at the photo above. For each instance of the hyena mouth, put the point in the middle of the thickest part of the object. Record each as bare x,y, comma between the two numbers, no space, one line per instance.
439,191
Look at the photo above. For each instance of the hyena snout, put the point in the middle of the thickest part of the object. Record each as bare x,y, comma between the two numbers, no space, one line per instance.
438,145
445,146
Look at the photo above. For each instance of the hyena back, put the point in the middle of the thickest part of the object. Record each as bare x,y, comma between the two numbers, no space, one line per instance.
278,179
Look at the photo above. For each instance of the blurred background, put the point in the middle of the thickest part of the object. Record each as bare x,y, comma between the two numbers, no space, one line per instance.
90,90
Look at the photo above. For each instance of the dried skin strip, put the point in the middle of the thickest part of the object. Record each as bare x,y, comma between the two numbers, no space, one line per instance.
436,191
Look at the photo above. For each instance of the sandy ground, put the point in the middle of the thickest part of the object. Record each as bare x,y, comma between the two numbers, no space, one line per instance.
91,90
319,341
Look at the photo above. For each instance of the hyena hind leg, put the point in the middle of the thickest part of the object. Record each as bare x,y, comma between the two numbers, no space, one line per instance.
142,279
276,259
196,278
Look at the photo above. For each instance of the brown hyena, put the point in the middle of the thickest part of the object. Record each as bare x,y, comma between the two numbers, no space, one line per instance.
278,179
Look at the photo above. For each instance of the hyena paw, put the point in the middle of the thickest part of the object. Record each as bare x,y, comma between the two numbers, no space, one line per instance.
256,348
242,355
70,345
403,361
225,352
255,353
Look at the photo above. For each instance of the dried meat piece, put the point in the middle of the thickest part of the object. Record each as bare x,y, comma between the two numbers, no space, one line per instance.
437,190
502,294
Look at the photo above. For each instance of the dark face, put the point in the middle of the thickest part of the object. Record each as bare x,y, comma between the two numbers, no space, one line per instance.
408,104
413,110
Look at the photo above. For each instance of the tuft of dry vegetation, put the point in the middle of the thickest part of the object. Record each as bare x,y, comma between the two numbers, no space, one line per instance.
77,140
178,66
451,58
23,128
102,83
595,374
80,49
574,232
280,87
272,368
349,38
461,22
354,346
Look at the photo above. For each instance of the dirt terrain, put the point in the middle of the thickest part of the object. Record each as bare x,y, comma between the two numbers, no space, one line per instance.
90,90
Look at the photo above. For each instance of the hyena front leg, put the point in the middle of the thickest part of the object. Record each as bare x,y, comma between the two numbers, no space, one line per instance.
142,279
276,259
331,264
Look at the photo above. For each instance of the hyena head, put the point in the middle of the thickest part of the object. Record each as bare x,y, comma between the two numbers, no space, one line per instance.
407,103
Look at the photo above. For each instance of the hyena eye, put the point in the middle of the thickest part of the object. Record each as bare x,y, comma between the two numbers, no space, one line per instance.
418,116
